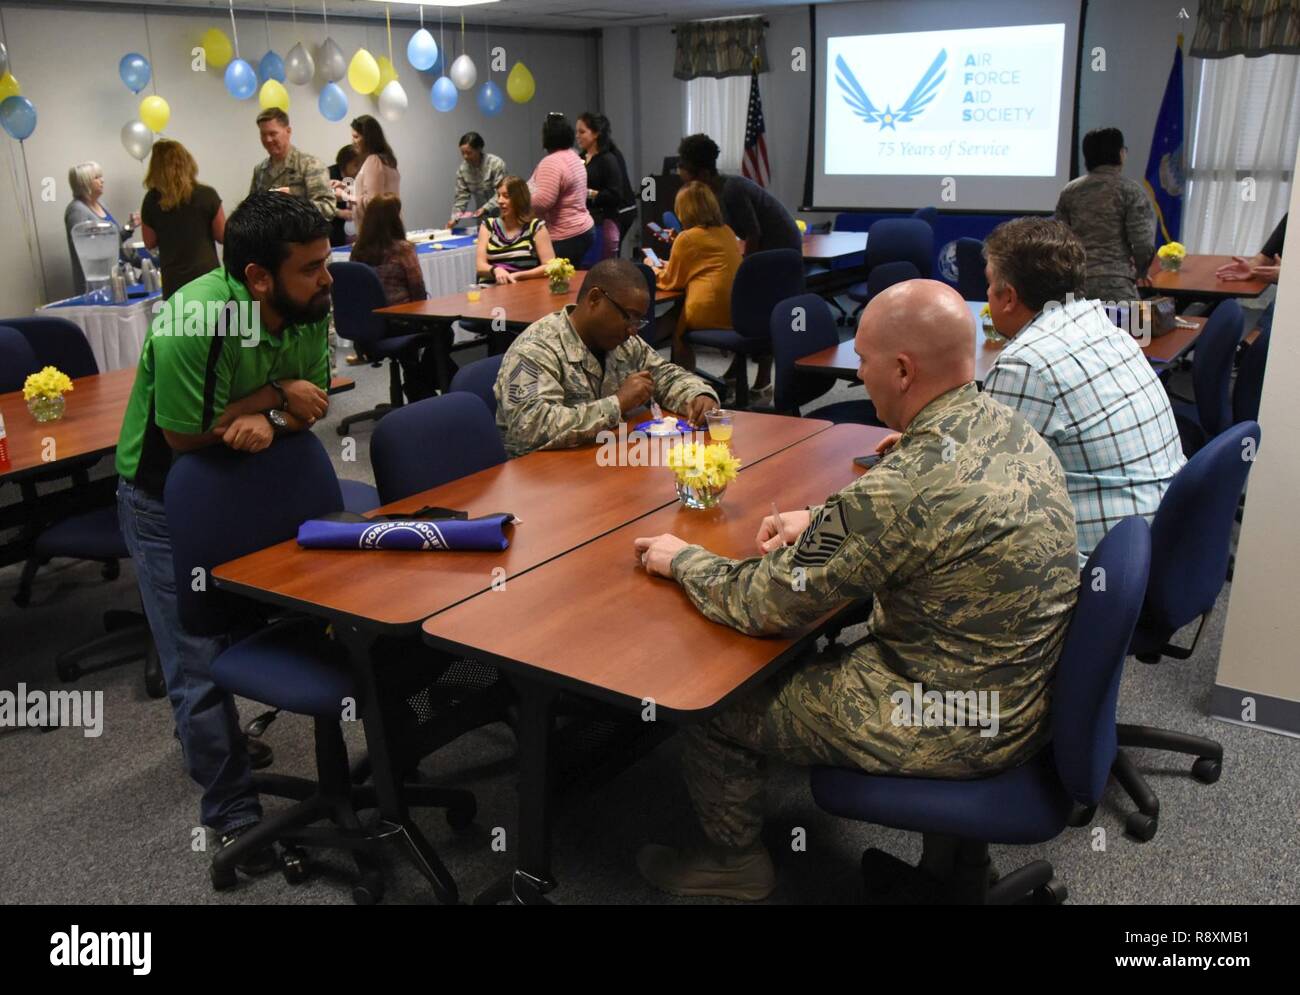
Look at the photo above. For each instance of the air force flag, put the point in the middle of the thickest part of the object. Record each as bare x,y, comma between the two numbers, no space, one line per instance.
1164,176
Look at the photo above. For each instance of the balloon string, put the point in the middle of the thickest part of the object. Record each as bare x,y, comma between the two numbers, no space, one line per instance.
388,21
148,41
233,30
267,14
293,14
40,256
326,17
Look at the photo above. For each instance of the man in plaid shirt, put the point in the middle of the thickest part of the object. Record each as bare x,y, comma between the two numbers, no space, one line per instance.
1082,382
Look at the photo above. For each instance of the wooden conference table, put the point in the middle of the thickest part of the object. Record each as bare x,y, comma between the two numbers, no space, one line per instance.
565,499
1196,280
833,245
842,362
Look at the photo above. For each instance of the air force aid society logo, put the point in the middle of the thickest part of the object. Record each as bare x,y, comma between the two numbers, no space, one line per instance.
921,96
397,535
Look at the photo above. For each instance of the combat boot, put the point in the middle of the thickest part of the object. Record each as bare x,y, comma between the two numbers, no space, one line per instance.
746,875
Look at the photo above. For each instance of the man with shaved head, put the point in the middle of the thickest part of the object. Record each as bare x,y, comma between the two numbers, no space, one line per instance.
582,369
964,535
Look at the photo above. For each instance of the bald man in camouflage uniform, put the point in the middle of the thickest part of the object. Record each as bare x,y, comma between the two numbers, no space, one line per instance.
581,370
963,533
1112,217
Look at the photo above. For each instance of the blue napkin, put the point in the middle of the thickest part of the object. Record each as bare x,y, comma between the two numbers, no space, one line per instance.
414,534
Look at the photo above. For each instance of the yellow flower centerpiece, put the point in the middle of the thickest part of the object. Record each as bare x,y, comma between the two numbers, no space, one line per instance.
986,324
44,392
558,274
1171,256
702,472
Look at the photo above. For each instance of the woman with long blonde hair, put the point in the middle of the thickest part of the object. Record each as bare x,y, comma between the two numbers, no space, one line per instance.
180,217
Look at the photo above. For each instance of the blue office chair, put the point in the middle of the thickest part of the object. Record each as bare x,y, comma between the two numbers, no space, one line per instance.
1216,347
1190,540
801,326
763,280
671,221
357,292
852,221
886,275
222,505
927,214
358,496
434,441
57,342
1034,802
970,269
478,378
17,359
1248,390
895,240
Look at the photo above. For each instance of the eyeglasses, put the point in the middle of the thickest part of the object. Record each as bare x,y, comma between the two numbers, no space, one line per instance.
637,324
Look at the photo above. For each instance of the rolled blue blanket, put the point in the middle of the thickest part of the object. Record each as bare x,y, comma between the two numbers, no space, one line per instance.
416,534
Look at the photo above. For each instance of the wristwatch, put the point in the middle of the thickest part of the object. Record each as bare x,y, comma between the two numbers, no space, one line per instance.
276,418
279,389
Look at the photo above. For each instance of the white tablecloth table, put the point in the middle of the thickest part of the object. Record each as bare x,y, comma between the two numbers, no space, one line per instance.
446,271
116,332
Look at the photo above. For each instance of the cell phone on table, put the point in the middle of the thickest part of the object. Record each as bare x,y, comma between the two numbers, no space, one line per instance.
867,462
651,258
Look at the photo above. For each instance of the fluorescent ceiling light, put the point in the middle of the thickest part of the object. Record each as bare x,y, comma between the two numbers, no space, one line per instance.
438,3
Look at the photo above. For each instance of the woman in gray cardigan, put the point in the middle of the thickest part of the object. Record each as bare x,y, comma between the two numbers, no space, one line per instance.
87,182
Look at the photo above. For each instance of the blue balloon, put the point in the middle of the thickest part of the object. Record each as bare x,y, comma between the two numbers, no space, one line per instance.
333,102
422,50
134,70
271,67
241,81
18,117
491,99
444,94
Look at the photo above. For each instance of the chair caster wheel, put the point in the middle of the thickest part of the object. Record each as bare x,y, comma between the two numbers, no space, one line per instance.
1052,893
68,672
1207,770
369,890
342,430
1141,827
294,865
461,817
222,879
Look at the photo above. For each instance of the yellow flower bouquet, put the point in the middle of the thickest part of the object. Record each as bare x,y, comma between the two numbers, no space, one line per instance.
986,324
702,471
1171,256
559,272
43,391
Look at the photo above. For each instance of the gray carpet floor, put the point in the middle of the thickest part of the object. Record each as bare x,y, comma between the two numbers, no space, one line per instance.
114,819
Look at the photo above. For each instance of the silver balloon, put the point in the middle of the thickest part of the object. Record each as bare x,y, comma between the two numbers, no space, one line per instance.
137,139
333,67
4,59
392,101
463,73
298,65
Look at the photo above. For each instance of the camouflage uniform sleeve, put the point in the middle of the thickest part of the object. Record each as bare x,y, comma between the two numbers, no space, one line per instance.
316,179
675,387
855,543
1063,208
495,176
530,400
1140,227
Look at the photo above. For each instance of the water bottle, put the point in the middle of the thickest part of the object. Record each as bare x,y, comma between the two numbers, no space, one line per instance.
4,446
149,276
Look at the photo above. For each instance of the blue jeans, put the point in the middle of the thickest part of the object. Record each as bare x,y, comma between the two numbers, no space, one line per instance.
206,719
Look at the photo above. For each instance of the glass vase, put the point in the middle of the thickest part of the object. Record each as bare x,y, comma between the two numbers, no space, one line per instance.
559,286
47,409
700,497
1172,264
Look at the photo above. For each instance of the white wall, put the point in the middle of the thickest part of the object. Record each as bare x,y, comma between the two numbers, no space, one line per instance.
66,61
1138,38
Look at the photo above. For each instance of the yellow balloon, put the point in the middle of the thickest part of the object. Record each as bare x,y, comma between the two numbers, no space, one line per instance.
363,72
9,86
387,73
273,94
520,84
155,113
216,47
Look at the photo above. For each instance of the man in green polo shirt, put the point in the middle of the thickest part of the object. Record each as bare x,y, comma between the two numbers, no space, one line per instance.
233,358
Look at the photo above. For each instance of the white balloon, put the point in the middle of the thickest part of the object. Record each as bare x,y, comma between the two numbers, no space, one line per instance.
137,139
463,73
332,64
298,65
392,101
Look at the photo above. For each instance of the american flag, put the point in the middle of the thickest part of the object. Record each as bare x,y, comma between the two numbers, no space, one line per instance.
755,166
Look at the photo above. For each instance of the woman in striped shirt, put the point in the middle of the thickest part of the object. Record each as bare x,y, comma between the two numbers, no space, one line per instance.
516,245
559,189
